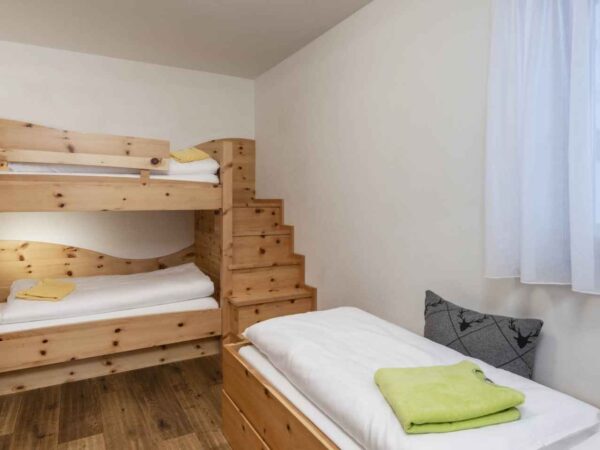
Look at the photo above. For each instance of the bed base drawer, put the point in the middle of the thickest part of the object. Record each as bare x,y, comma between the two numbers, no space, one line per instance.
240,433
276,421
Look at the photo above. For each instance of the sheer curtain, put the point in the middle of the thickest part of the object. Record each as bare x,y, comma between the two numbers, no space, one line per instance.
542,188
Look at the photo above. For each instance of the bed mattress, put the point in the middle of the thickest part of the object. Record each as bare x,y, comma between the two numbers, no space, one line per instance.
323,356
199,304
204,171
102,294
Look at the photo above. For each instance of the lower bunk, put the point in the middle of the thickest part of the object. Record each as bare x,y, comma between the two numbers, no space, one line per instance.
306,382
115,315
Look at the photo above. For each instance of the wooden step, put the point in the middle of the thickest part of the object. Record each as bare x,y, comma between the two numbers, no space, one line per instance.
275,295
282,230
262,249
260,203
267,279
261,265
263,219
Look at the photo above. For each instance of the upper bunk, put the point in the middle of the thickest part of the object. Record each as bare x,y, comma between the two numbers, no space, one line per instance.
46,169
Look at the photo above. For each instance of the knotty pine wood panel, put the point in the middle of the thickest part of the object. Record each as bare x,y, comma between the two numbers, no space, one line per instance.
244,172
73,371
22,193
25,135
21,350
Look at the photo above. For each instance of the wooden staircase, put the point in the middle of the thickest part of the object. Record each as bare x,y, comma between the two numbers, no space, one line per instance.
267,276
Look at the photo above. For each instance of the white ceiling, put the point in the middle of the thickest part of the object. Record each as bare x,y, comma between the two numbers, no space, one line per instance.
234,37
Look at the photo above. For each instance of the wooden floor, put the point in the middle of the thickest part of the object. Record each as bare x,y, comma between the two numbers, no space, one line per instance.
176,406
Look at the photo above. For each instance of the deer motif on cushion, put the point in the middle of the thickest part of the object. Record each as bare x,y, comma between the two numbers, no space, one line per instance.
522,340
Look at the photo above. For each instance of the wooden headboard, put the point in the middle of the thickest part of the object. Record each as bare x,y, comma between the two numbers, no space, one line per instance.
23,259
28,143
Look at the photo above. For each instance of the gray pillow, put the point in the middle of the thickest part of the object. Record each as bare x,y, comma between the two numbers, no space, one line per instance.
500,341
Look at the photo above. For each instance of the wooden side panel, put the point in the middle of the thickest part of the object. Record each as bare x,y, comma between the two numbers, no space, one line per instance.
26,142
239,432
208,244
22,193
262,250
268,279
244,175
256,219
273,417
53,345
249,315
24,259
27,379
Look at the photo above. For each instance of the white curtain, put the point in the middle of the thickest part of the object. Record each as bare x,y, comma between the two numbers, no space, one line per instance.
543,156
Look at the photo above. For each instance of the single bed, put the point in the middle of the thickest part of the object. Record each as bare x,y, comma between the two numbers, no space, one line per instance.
291,386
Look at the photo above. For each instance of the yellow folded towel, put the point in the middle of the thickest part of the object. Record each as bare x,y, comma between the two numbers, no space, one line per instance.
189,155
48,290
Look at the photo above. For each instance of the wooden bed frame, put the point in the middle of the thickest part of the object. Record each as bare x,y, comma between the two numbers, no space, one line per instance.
28,143
54,355
257,416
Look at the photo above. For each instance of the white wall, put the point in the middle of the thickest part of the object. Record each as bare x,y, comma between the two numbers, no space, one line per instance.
103,95
374,135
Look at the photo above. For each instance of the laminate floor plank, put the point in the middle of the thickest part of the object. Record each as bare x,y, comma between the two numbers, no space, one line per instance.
163,412
175,406
37,423
9,411
80,415
95,442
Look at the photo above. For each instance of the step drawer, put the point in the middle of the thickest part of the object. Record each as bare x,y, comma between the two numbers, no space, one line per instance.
245,316
256,219
261,249
267,279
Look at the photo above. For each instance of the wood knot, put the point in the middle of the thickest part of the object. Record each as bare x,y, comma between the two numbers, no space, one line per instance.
117,330
43,352
115,343
69,273
154,161
262,251
71,148
180,324
28,125
45,341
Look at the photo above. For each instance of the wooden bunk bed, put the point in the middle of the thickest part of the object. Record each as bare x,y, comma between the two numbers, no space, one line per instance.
46,356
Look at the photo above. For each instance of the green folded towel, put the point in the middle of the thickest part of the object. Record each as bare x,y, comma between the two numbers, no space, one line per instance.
439,399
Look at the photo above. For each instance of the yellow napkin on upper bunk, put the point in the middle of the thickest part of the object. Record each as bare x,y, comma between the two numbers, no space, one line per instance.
189,155
47,290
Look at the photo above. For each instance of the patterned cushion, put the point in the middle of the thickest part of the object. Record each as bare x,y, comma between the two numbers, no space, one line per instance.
500,341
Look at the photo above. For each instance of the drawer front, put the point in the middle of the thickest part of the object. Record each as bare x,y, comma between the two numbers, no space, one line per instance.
249,315
240,434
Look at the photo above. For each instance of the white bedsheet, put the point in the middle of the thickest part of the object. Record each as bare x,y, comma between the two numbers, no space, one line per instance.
188,305
100,294
331,357
205,167
195,178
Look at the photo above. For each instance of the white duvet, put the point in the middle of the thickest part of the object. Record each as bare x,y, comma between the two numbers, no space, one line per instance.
331,357
101,294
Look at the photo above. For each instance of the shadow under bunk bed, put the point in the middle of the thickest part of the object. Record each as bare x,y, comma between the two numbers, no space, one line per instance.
88,172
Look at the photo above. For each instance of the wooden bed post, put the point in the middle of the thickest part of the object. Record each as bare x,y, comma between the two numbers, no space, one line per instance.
226,236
